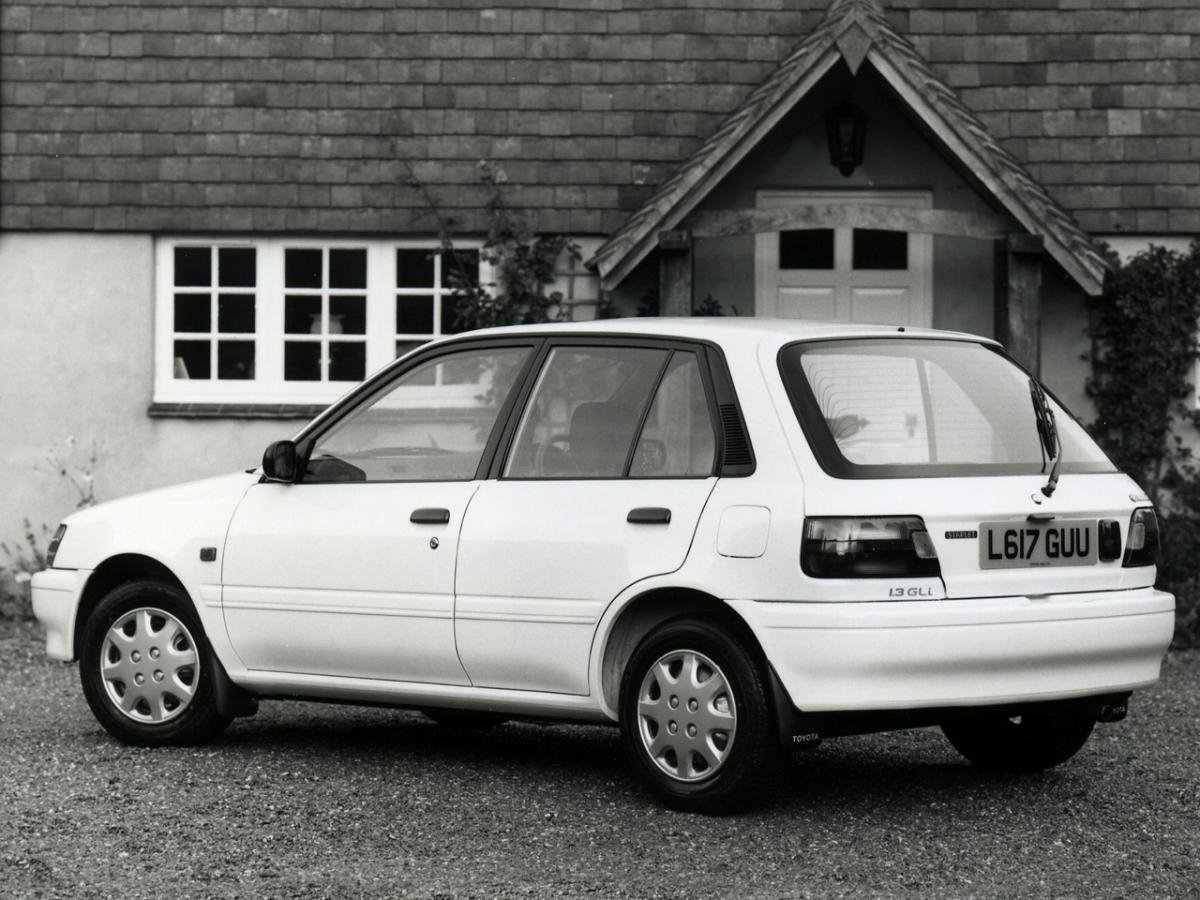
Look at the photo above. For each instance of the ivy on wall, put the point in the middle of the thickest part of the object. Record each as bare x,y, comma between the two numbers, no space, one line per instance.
1143,351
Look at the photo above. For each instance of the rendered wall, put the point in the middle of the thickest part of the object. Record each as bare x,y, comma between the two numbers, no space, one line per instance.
76,345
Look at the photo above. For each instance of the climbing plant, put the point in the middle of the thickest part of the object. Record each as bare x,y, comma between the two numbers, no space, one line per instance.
1143,352
522,260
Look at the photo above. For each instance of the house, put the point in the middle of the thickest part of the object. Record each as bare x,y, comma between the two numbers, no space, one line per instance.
209,232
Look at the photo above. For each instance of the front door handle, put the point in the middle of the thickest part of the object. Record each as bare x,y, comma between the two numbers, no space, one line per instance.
649,515
430,515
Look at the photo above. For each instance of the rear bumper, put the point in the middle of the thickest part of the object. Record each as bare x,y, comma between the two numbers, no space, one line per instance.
56,595
833,657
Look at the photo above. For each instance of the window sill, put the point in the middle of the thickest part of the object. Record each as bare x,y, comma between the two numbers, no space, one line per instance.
235,410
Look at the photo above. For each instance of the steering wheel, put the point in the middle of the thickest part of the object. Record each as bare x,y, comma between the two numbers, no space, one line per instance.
539,460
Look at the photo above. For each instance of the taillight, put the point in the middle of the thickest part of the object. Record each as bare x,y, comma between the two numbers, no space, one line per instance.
867,547
1142,547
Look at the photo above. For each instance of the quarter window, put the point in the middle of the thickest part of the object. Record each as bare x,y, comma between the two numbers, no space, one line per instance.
677,440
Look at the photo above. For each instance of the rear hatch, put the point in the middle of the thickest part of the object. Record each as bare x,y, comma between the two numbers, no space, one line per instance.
947,429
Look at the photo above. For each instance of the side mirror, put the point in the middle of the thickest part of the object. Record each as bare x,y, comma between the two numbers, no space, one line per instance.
279,462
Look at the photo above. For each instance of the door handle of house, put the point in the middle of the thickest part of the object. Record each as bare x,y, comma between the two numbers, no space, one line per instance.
430,515
649,515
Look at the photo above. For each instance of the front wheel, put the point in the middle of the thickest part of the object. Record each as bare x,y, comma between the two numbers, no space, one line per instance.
146,668
1021,744
696,719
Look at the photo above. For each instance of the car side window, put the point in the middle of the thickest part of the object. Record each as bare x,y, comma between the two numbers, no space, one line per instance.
432,424
678,439
584,412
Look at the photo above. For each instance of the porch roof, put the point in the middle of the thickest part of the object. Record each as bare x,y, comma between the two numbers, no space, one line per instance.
856,31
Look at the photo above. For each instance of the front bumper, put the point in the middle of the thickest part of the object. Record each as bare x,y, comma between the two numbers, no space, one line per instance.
56,594
833,657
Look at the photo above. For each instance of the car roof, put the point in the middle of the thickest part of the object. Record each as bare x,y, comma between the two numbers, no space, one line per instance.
726,329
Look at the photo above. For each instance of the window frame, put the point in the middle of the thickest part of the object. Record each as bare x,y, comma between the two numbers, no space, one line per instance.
698,349
269,386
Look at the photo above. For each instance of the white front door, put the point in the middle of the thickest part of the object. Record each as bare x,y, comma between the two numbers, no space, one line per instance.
608,474
350,571
845,274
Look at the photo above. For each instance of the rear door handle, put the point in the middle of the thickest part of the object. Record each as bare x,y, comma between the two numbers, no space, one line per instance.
430,515
649,515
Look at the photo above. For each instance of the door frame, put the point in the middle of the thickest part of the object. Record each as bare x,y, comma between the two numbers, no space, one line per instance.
766,244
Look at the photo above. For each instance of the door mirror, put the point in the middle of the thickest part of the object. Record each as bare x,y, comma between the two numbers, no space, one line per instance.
279,462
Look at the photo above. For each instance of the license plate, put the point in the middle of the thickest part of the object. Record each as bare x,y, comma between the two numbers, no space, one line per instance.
1010,545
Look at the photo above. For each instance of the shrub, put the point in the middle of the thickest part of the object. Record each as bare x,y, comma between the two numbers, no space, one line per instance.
1144,347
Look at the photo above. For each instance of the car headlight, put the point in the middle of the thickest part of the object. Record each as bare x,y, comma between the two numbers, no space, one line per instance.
52,550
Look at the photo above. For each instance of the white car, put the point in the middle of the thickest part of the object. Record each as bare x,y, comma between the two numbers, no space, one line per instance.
730,536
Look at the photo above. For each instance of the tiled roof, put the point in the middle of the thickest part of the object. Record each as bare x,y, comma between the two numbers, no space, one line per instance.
856,29
291,115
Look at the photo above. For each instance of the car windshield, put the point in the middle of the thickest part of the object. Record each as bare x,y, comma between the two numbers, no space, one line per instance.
905,407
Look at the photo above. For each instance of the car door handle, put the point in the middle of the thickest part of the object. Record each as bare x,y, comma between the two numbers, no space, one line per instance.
649,515
430,515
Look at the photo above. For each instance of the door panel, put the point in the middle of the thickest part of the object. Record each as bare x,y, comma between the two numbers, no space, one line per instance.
808,303
881,306
539,561
333,579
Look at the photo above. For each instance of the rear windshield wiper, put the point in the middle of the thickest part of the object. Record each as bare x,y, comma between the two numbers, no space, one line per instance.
1048,434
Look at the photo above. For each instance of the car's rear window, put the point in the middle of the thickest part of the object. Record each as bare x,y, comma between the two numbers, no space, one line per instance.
908,407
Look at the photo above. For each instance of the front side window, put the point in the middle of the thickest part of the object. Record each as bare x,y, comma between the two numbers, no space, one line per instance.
892,408
432,424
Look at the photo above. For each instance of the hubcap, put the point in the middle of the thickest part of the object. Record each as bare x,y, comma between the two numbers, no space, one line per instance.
149,665
686,715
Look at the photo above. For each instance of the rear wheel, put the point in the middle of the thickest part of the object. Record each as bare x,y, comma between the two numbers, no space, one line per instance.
696,720
1025,743
146,668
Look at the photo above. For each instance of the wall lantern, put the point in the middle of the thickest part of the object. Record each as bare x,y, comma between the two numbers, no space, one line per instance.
846,125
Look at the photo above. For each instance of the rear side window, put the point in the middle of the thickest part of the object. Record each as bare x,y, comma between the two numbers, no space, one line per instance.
894,408
613,412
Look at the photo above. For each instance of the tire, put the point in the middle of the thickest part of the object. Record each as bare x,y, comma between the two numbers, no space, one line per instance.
727,763
1018,744
161,643
465,719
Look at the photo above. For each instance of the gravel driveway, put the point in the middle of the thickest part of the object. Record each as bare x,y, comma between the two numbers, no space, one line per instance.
307,800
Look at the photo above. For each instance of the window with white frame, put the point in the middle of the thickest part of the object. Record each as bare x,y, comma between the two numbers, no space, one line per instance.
284,320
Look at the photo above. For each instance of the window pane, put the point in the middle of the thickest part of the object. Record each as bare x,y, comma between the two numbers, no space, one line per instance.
807,249
450,323
414,315
584,413
927,407
347,315
193,266
302,268
414,268
875,249
460,269
302,361
678,438
302,315
235,313
403,347
424,428
347,361
193,312
235,267
235,359
192,359
347,268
